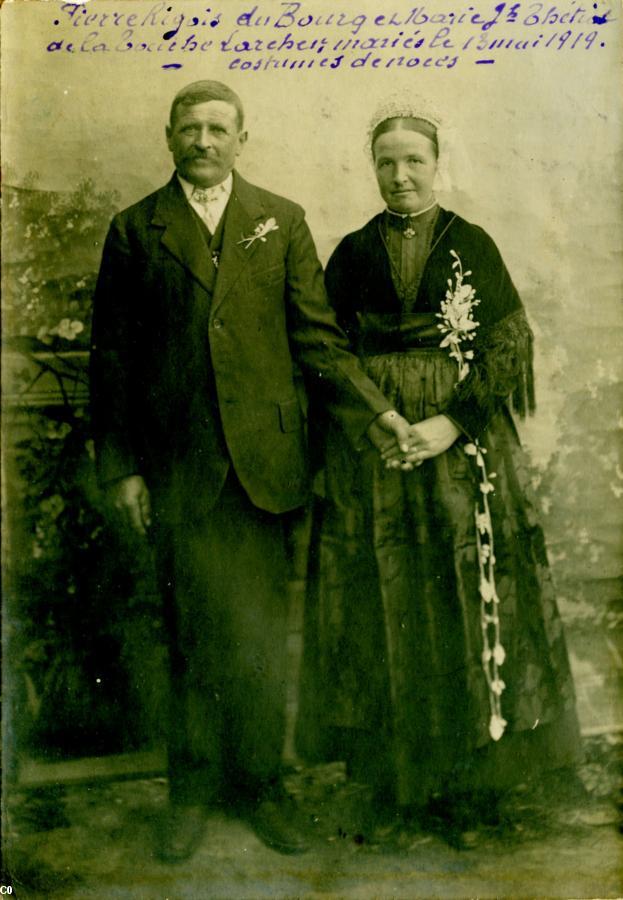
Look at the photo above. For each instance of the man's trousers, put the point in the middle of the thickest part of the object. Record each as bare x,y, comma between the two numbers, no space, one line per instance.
224,581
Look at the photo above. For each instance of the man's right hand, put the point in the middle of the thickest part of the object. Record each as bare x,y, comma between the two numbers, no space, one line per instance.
390,431
131,498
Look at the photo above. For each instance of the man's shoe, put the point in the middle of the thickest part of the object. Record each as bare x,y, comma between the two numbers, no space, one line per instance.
273,822
180,832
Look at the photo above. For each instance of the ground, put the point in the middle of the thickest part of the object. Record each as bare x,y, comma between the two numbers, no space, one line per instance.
95,841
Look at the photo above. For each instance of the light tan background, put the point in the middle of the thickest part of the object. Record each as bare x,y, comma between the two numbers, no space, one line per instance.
541,130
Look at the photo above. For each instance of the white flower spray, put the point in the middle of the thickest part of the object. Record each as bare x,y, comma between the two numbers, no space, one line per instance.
458,325
260,233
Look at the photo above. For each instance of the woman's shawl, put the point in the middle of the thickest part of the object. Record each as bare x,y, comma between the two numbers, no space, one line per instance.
359,283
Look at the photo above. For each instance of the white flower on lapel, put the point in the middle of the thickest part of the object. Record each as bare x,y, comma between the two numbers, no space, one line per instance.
260,232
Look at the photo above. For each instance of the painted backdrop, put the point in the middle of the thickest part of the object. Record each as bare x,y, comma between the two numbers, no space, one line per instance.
532,91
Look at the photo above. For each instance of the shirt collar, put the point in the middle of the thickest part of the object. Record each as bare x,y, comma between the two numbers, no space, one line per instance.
223,187
414,215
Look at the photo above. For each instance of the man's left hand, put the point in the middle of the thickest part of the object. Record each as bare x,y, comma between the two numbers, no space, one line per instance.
389,433
427,439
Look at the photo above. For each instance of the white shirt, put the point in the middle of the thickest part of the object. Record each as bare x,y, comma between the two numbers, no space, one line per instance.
218,196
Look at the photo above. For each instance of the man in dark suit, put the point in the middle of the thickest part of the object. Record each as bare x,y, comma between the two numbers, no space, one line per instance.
209,295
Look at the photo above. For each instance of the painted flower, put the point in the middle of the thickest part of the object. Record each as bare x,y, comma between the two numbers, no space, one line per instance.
58,431
68,329
53,506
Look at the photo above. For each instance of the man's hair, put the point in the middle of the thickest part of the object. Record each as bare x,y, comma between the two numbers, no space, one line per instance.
203,92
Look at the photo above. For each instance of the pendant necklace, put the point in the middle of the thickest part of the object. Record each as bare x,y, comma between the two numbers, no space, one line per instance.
408,230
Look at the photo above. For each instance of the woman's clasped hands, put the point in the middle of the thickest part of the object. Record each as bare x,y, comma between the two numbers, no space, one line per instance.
404,446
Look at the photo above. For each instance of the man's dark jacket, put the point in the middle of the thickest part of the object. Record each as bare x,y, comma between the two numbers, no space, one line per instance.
193,365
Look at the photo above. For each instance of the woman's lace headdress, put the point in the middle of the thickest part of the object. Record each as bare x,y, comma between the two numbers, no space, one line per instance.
409,104
403,105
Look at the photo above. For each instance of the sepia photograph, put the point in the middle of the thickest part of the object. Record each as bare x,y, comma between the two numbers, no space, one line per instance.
312,557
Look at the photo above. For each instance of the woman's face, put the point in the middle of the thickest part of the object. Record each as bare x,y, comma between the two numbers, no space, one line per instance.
405,163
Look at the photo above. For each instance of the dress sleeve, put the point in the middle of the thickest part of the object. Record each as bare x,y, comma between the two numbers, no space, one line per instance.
341,284
502,367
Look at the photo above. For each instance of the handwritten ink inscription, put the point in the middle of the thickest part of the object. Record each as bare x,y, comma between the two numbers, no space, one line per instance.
290,36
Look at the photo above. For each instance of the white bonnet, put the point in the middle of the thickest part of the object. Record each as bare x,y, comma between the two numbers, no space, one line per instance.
408,104
401,105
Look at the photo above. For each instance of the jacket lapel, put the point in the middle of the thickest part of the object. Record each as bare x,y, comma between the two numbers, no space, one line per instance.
181,236
244,213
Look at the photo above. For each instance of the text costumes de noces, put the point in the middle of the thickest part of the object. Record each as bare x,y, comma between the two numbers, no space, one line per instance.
196,343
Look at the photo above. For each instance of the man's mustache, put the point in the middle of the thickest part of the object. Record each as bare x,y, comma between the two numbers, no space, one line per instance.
200,154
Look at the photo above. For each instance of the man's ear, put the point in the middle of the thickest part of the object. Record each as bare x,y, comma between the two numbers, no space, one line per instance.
168,132
242,139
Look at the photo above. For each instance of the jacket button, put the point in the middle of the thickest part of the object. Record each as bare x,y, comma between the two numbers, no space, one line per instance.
217,323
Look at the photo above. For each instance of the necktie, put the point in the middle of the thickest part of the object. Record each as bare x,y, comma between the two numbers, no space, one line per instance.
208,199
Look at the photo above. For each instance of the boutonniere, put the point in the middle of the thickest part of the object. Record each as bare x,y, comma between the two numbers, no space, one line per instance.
260,233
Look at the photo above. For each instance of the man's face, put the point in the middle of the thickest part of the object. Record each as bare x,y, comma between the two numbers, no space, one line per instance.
405,164
205,141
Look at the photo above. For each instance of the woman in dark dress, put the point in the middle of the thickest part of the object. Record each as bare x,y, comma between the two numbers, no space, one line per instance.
434,660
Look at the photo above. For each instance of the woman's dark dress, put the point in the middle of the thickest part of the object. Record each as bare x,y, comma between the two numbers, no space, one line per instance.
392,674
